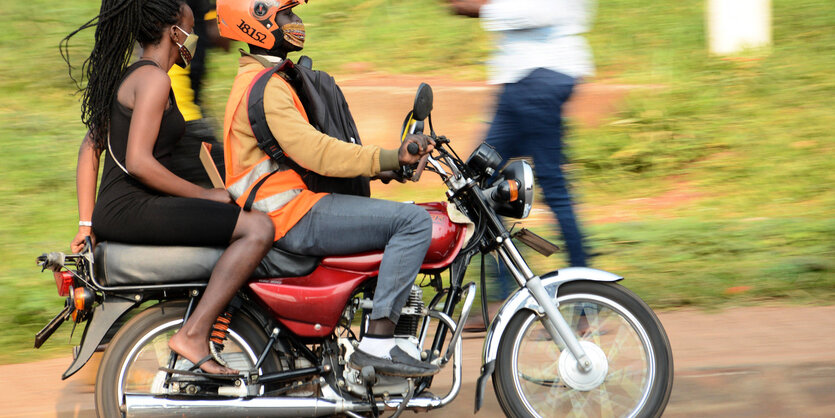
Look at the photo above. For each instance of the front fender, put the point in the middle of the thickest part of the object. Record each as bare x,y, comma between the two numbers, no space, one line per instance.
104,316
522,299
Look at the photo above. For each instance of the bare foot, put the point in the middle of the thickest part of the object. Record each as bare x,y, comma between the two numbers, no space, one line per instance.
194,350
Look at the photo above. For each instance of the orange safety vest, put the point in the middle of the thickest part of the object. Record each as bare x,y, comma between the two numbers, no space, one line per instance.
283,195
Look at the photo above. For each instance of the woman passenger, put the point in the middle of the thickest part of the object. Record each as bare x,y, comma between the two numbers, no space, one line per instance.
133,119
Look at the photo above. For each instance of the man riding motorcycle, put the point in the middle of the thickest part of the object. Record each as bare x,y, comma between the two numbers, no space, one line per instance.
307,222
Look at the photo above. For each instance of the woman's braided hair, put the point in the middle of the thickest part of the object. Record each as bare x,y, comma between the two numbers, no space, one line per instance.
119,25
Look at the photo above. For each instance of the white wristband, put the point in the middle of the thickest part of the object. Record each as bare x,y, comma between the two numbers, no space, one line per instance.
85,223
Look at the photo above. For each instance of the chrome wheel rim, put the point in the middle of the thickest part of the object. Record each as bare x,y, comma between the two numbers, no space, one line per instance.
139,373
609,326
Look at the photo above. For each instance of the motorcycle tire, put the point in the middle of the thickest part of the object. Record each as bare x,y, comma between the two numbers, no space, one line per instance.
533,377
131,361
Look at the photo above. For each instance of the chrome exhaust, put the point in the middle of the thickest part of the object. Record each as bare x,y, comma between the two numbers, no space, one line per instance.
158,406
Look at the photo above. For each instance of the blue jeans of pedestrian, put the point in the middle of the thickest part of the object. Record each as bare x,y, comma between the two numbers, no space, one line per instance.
342,224
528,123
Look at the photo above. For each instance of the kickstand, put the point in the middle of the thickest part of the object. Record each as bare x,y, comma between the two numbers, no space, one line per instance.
406,399
369,376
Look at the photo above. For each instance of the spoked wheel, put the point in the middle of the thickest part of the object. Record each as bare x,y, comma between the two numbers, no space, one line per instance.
132,360
633,364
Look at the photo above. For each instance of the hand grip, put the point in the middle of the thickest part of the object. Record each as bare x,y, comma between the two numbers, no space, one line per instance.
53,261
413,148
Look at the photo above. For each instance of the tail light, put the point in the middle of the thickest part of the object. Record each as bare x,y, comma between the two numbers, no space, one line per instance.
63,280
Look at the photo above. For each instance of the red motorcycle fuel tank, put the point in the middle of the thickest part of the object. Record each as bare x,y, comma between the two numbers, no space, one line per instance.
311,305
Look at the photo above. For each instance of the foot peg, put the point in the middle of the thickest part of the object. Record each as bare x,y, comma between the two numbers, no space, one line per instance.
369,375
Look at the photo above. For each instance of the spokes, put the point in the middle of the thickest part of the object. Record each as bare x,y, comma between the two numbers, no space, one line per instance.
540,381
596,321
143,374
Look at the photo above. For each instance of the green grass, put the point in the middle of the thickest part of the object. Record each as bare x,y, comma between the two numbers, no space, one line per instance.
752,139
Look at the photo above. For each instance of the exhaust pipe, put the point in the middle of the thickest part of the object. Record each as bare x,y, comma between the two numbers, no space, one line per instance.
159,406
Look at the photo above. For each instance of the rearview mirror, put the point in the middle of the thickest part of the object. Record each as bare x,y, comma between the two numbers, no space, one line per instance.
423,102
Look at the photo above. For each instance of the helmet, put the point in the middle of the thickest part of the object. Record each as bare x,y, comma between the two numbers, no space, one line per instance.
251,21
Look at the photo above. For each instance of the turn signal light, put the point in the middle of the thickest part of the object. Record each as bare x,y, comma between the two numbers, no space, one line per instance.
513,187
83,298
507,191
63,280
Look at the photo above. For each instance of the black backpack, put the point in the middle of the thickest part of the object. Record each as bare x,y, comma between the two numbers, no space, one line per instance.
326,110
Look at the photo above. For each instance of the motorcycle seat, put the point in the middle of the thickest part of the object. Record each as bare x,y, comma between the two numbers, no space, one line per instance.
118,264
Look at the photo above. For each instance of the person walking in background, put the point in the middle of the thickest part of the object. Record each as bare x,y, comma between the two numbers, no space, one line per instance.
187,85
539,57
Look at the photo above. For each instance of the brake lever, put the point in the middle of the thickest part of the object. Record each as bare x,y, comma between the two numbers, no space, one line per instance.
420,166
406,172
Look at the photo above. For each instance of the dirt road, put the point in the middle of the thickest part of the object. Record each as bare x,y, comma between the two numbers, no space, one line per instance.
755,362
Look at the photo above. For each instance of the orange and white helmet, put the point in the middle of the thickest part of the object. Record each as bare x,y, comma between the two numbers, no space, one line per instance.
251,21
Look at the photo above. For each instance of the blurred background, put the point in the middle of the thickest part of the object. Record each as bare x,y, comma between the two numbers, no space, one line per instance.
706,180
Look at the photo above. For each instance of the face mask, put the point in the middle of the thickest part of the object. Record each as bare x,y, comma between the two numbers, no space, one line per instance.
188,48
294,33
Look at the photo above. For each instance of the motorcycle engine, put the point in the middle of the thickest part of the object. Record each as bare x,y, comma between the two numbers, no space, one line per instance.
405,335
406,330
407,325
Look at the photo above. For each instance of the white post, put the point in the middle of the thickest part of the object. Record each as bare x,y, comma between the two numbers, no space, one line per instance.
737,25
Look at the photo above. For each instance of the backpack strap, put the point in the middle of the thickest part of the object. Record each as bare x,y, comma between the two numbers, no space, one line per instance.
258,121
257,115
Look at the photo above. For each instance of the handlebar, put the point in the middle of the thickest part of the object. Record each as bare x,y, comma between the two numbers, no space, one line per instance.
413,148
53,261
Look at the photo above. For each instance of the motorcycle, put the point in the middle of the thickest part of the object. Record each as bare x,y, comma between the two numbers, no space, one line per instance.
569,342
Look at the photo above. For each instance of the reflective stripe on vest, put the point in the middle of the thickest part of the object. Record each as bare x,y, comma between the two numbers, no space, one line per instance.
268,204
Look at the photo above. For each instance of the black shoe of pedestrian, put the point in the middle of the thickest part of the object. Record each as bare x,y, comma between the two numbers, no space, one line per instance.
401,364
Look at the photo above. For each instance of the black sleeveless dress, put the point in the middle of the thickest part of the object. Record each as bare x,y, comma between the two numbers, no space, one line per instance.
128,211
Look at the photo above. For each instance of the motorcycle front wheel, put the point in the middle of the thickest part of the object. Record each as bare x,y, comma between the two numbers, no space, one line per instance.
133,357
535,377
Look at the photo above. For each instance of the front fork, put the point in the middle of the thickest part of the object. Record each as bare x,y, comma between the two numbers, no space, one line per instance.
552,320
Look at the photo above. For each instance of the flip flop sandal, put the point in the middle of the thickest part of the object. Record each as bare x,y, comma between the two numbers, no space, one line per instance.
195,370
201,373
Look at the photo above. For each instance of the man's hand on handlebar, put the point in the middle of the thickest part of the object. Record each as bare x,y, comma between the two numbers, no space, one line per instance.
411,155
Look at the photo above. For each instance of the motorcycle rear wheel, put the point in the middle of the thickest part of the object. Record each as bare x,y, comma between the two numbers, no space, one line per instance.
133,357
530,381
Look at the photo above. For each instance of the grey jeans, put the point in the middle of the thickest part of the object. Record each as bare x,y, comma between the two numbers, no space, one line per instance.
342,224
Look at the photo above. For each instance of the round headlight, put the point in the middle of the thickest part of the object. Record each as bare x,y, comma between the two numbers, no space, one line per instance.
521,173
